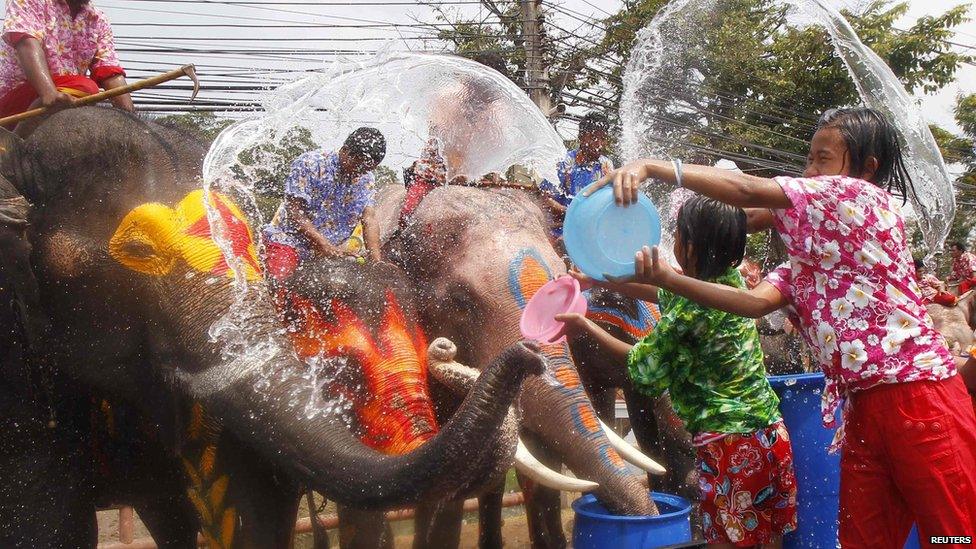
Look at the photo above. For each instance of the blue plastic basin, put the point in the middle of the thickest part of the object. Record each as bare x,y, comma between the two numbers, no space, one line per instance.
597,528
817,472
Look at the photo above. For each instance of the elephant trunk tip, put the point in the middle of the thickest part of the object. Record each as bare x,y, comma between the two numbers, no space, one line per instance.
442,350
526,355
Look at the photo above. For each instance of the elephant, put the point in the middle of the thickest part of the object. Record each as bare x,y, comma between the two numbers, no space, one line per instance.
156,302
656,427
956,323
476,256
328,305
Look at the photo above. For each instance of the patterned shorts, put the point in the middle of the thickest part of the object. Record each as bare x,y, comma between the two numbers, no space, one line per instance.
748,488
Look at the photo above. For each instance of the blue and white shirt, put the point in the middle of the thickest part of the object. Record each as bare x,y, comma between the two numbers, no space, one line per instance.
573,178
334,207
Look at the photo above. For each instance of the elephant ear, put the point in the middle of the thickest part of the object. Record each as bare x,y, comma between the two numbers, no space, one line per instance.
11,153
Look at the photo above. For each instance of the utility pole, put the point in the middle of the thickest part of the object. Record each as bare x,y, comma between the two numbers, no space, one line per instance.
536,75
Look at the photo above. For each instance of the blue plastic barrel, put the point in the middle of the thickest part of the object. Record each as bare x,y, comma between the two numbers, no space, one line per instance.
817,472
597,528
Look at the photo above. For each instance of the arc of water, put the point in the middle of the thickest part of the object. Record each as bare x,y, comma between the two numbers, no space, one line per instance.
879,88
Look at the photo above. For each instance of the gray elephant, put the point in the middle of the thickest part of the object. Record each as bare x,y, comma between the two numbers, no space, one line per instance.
144,312
476,257
956,324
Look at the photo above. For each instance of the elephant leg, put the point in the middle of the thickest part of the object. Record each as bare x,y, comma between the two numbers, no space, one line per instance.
641,411
360,529
242,500
542,505
47,498
438,524
678,450
171,521
490,518
604,401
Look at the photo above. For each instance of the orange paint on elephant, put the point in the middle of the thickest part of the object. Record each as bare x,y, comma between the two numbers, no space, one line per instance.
396,415
531,277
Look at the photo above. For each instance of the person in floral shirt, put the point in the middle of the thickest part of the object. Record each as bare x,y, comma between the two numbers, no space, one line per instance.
54,51
581,167
963,268
910,444
326,195
711,362
933,289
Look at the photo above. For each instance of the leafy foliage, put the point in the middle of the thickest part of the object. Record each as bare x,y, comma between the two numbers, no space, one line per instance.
765,81
961,150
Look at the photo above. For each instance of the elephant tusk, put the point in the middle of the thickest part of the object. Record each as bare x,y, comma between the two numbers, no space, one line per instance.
529,466
631,454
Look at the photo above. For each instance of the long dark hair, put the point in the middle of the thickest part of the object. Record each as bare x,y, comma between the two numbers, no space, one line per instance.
868,133
713,233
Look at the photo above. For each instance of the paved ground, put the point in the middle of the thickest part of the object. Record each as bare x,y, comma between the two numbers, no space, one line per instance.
515,531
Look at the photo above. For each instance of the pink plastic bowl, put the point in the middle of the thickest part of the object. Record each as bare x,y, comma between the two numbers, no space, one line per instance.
559,296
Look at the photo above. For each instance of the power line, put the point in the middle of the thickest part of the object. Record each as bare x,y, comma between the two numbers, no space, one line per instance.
320,3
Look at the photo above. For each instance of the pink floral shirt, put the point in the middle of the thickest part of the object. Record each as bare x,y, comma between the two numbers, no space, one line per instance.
930,286
851,284
72,45
964,267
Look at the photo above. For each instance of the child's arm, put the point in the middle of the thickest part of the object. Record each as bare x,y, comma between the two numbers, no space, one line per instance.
576,323
755,303
644,292
730,187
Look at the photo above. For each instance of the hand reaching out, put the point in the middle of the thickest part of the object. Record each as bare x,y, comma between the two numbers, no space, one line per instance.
573,325
626,182
650,268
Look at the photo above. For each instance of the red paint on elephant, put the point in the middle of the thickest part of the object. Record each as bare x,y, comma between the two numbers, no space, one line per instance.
394,408
235,230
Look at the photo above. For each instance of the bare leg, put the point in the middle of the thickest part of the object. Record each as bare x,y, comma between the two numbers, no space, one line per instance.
28,126
777,543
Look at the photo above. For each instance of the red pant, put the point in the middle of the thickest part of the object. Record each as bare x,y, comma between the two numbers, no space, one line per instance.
967,285
20,98
909,456
945,299
280,261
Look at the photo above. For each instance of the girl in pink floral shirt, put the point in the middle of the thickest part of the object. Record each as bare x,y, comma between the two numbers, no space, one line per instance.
908,438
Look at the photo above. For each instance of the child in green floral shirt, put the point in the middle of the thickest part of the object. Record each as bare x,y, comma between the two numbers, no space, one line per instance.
712,364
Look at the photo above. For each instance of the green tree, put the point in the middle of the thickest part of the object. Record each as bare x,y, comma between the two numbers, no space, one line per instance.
961,150
764,82
205,125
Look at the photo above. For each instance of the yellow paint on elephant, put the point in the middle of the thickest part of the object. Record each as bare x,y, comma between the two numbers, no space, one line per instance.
153,237
208,487
356,242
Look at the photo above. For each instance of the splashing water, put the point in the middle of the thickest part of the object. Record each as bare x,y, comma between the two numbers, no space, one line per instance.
665,74
482,122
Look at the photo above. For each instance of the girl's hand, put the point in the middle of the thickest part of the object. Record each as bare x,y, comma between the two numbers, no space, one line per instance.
585,281
573,325
650,268
626,181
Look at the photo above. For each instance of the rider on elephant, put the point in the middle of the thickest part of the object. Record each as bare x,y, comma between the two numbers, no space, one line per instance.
326,195
581,167
963,267
933,289
49,46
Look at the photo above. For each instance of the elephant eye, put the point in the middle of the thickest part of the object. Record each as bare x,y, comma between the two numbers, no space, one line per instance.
138,248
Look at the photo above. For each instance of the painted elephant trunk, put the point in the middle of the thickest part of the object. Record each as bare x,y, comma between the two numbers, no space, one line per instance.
557,399
322,452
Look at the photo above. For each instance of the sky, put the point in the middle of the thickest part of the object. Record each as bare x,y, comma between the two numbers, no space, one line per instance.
167,32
